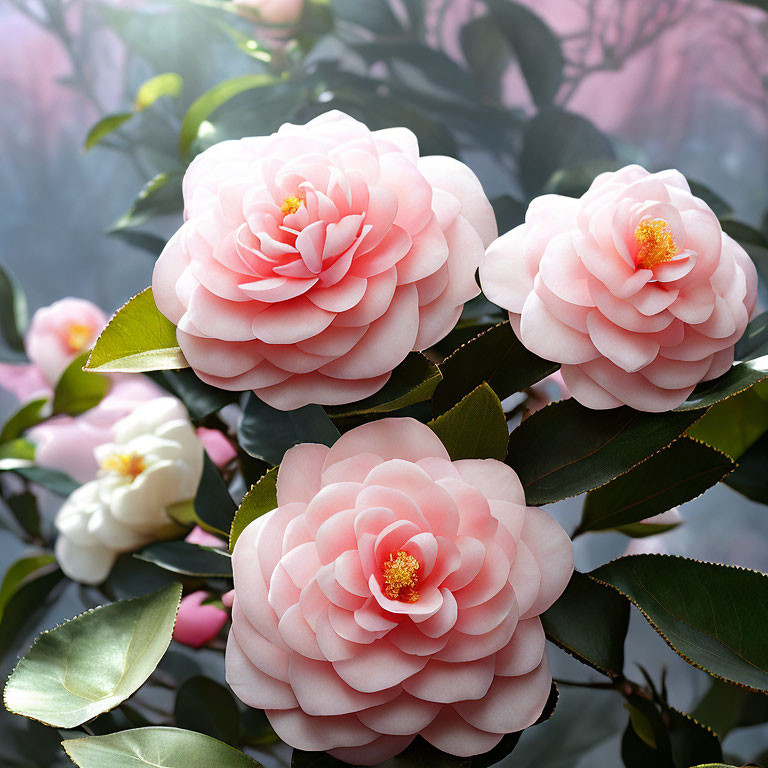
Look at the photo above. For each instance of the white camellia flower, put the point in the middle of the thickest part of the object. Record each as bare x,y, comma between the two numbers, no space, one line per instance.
156,460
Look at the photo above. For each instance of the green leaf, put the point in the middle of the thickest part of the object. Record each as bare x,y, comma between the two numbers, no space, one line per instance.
575,181
676,474
740,377
160,195
155,746
91,663
13,313
137,338
18,574
589,621
725,707
536,47
554,140
750,478
754,342
188,559
718,204
262,498
377,17
211,100
207,707
24,508
487,52
413,381
266,433
55,481
20,448
104,127
199,398
475,428
714,616
22,419
166,84
495,356
213,503
77,390
565,449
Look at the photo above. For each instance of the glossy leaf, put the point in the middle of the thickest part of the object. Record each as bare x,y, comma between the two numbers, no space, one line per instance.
137,338
475,428
88,665
213,504
155,746
487,52
199,398
495,356
266,433
160,195
17,575
725,707
188,559
77,390
58,482
13,314
211,100
166,84
676,474
754,342
413,381
104,127
205,706
589,621
25,510
377,17
262,498
750,477
714,616
23,418
566,449
740,377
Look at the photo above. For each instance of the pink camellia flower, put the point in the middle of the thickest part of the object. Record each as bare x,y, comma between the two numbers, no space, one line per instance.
634,288
198,624
273,11
24,380
61,332
394,592
314,260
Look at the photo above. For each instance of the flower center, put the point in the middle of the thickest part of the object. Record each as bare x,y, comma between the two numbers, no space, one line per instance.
128,465
657,243
400,577
78,336
291,205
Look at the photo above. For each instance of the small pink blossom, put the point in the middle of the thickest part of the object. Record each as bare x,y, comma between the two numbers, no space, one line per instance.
200,537
634,288
312,261
198,624
220,450
394,592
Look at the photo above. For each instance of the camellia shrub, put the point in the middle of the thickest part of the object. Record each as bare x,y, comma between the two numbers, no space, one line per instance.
301,482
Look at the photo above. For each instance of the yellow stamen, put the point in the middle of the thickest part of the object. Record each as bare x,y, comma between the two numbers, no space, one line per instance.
657,243
400,577
126,464
291,205
78,337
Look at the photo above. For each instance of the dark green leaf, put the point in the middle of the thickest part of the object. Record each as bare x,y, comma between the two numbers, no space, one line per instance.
750,478
487,52
266,433
13,313
52,479
509,211
574,182
200,399
740,377
377,17
18,574
91,663
24,508
262,498
188,559
676,474
495,356
566,449
211,100
213,504
754,342
475,428
77,390
743,233
714,616
137,338
413,381
725,707
104,127
22,419
144,240
207,707
536,47
590,621
160,195
554,140
719,205
155,746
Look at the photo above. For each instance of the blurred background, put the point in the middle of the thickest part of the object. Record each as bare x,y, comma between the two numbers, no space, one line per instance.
535,96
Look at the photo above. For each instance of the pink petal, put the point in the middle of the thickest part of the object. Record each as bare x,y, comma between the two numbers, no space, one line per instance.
298,478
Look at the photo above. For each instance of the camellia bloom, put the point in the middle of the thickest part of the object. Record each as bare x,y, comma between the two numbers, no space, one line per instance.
61,332
154,461
273,11
394,592
314,260
197,624
634,288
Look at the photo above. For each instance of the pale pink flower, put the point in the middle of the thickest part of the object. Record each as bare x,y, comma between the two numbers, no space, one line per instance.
61,332
394,592
204,539
312,261
198,624
216,445
24,380
273,11
634,288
